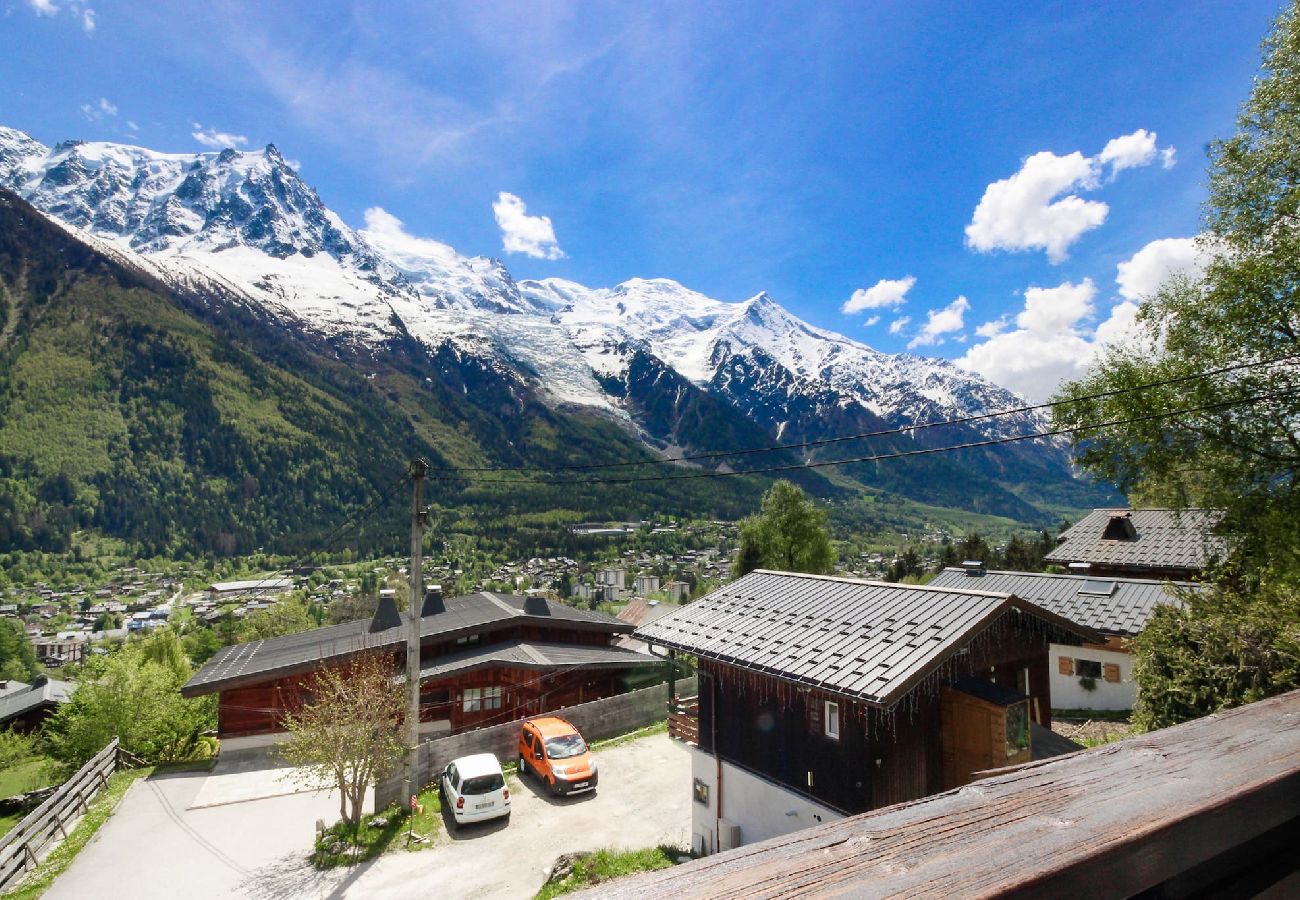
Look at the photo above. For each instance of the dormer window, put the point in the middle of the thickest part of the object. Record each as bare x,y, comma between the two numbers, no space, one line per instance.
1120,528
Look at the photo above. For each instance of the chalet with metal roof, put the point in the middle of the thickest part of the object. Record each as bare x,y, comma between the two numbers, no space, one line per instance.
822,697
24,707
1093,676
485,658
1172,544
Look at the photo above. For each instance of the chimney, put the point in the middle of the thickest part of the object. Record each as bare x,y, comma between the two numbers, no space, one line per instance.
974,567
536,606
386,615
1080,568
433,601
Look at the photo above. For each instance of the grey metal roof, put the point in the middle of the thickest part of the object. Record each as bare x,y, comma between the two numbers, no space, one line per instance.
40,693
536,655
1166,539
865,639
1125,610
274,657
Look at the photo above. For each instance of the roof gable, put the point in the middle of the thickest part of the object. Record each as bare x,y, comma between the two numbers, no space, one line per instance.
1143,538
869,640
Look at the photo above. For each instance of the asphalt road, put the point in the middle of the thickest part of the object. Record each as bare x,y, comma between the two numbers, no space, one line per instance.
156,846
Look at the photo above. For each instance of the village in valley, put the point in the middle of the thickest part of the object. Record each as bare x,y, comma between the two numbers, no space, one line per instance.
336,561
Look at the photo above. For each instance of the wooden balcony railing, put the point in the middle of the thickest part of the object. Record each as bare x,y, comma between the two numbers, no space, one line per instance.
684,720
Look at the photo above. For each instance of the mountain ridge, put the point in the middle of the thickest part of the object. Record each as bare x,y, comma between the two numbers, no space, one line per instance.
242,228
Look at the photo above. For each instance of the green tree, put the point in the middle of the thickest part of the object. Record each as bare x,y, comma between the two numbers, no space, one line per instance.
789,534
285,617
17,658
349,732
15,748
133,695
1239,643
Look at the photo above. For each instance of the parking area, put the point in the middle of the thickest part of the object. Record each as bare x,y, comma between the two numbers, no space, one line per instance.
258,848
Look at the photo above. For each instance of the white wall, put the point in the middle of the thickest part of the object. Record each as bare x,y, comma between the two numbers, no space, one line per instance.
760,808
1068,694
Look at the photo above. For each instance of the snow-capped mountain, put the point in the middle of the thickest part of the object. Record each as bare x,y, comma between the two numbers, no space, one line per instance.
246,226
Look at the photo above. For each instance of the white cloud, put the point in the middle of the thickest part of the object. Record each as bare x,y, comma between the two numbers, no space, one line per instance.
1141,274
1050,311
522,233
1129,151
217,140
874,320
992,329
940,322
385,232
885,293
1023,213
130,124
897,326
1168,158
88,21
95,112
43,7
1039,207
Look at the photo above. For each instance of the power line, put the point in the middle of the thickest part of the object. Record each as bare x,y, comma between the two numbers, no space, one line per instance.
880,457
905,429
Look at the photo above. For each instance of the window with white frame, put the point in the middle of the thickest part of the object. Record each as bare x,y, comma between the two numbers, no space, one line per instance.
831,719
480,699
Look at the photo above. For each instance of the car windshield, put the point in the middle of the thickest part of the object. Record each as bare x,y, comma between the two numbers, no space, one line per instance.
482,784
565,746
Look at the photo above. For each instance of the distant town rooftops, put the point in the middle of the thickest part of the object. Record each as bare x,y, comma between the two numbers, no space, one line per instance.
1172,540
1113,605
868,640
265,584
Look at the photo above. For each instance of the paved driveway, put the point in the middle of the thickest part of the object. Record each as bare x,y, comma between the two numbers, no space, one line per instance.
156,846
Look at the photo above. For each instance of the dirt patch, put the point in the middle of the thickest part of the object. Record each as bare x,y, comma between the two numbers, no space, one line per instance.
1091,732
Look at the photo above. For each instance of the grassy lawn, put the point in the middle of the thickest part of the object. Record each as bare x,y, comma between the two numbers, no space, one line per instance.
26,776
604,865
372,839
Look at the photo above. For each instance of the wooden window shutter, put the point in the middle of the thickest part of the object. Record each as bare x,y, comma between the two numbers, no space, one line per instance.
1110,672
1066,665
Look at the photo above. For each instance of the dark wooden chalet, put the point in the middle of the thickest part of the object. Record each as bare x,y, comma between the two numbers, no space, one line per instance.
485,658
1161,544
822,697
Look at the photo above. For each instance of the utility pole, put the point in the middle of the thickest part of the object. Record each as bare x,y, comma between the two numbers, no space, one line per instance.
419,468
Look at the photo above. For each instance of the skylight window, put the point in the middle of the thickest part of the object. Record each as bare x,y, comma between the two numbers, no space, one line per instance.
1098,586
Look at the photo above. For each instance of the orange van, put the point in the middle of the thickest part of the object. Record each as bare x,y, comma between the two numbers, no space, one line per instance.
552,750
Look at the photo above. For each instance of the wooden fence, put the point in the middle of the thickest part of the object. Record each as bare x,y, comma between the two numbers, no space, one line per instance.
21,848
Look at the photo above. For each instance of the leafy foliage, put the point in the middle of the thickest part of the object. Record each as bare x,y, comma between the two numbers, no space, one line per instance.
1223,648
788,534
134,695
348,732
17,657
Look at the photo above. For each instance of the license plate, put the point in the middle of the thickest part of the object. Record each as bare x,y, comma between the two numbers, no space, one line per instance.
484,805
580,784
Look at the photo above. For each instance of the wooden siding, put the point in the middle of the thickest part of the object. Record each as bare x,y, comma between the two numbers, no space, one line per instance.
258,708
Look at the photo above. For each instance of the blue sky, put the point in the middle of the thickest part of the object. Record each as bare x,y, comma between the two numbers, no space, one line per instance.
809,150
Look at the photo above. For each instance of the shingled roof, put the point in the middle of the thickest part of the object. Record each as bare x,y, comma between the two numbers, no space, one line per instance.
284,655
1177,540
1110,605
865,639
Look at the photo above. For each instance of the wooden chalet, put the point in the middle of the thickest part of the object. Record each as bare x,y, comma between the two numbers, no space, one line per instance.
1159,544
1094,676
25,707
1210,808
485,658
822,697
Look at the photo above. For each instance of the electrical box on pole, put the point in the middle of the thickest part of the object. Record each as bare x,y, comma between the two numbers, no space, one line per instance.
416,579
